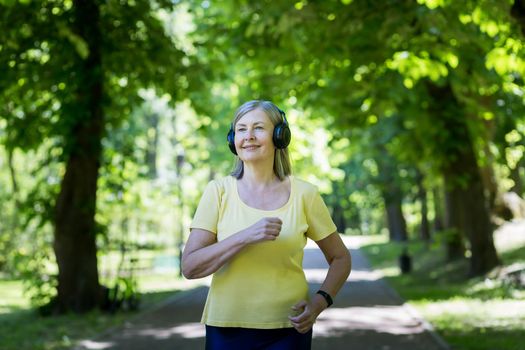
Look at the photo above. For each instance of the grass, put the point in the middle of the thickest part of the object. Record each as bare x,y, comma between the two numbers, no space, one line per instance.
26,330
22,328
470,314
11,298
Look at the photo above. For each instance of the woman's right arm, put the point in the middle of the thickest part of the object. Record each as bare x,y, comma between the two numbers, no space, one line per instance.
203,255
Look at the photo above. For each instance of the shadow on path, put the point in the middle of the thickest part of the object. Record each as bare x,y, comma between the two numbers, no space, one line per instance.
367,314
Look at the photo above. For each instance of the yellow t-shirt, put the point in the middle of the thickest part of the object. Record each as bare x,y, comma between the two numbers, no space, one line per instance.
259,285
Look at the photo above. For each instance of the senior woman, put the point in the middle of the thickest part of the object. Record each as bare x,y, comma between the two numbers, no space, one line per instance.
249,231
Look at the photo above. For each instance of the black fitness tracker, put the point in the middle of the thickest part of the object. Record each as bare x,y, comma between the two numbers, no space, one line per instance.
326,297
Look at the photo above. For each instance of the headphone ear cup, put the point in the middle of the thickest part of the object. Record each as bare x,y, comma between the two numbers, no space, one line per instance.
281,135
231,140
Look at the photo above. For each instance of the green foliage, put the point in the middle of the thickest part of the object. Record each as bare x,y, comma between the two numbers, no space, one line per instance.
26,247
40,280
445,236
124,295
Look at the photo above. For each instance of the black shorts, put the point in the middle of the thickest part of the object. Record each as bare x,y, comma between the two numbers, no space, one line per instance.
228,338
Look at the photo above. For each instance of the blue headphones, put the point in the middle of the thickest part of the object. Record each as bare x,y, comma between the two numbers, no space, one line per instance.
281,134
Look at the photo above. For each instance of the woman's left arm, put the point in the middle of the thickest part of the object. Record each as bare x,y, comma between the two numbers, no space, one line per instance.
340,262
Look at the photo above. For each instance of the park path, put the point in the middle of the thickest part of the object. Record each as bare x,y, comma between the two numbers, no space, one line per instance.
367,315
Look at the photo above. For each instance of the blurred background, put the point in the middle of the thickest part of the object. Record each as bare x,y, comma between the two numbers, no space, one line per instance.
408,115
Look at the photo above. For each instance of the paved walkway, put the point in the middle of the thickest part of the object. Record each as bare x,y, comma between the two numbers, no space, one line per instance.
367,314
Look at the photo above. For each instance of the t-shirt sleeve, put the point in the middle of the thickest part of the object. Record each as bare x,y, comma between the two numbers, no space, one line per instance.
207,213
320,223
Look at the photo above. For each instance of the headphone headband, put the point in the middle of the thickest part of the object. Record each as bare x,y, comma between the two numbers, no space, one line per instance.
283,115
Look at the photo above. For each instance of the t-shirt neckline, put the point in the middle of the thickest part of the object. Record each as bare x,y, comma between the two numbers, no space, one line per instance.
284,206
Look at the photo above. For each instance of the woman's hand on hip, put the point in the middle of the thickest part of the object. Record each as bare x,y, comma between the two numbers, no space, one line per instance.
308,313
266,229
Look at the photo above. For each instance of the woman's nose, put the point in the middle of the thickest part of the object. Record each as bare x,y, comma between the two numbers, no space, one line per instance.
249,134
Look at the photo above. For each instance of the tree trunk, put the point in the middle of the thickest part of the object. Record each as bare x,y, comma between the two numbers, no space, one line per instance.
453,225
75,228
518,12
153,142
395,219
12,173
422,195
12,225
392,196
515,175
467,207
339,217
489,181
338,210
469,211
439,220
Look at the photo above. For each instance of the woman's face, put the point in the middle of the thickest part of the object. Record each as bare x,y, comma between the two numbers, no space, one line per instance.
253,137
